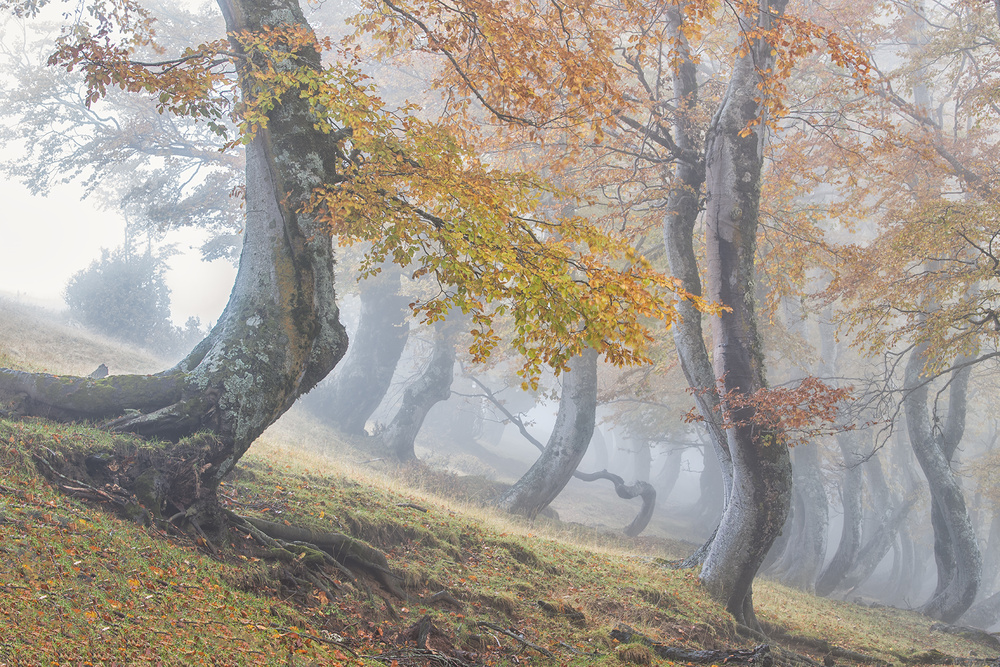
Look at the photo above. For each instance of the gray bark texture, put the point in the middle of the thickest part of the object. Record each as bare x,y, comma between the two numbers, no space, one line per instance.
956,550
432,386
567,444
762,476
683,207
882,535
363,377
280,333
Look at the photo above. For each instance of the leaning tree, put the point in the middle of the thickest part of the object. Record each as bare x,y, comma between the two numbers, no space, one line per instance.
324,156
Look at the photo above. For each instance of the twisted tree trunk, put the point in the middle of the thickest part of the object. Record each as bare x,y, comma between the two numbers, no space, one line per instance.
683,207
956,550
427,390
851,488
762,476
364,376
280,333
567,444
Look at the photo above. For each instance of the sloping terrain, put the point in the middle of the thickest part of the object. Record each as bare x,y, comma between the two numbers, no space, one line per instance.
80,583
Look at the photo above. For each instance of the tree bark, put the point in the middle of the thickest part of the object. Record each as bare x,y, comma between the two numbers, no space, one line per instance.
280,333
956,550
877,542
683,207
363,377
567,444
807,547
851,488
432,386
762,476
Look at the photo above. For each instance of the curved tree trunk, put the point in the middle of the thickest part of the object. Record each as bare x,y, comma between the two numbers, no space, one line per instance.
364,376
639,488
955,548
851,488
762,476
280,333
432,386
683,206
882,535
568,443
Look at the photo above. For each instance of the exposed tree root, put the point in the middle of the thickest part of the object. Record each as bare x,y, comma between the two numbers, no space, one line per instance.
150,485
432,647
315,547
519,638
759,655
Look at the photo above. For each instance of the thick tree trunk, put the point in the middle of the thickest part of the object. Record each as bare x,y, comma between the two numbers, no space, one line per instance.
364,376
851,488
567,444
955,548
280,333
762,476
431,386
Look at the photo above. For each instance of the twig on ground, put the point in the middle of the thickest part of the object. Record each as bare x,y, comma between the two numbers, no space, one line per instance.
544,651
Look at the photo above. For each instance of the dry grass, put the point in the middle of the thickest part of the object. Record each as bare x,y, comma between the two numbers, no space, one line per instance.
39,340
79,583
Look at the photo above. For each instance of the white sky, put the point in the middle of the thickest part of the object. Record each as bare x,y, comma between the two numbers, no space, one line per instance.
45,240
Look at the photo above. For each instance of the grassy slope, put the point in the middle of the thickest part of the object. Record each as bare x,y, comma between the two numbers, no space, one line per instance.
80,584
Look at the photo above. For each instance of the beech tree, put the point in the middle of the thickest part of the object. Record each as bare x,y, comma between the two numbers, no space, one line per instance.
932,298
350,398
624,93
324,155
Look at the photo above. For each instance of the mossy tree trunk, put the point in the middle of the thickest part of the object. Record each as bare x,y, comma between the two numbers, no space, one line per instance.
280,333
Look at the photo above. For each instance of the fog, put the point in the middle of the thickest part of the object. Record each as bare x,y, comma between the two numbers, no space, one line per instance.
48,239
895,324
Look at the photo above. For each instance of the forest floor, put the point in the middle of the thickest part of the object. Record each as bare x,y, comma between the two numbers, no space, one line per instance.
81,585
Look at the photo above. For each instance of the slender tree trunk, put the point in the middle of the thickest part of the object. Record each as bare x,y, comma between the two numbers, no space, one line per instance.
808,546
667,478
431,386
851,488
712,492
642,460
882,533
762,476
568,443
683,207
364,376
280,333
955,547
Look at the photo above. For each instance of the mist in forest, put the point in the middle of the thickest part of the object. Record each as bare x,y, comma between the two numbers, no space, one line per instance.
872,351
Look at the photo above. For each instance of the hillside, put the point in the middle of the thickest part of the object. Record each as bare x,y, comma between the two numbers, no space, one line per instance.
82,584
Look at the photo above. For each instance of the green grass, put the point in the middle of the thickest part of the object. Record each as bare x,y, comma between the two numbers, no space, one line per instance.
79,584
